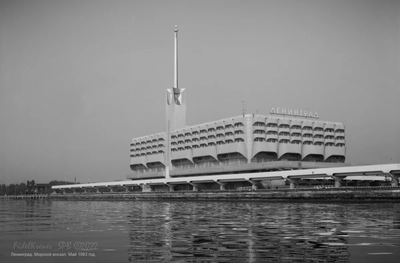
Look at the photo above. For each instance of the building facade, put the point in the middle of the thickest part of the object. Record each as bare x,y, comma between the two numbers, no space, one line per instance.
237,142
245,143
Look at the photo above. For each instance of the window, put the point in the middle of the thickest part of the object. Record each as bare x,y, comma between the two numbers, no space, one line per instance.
284,141
259,124
329,137
296,127
318,136
329,144
319,143
296,142
239,132
220,135
272,125
220,128
284,134
202,145
220,143
228,126
211,136
258,139
259,132
239,140
296,134
272,140
284,126
307,143
188,134
318,129
272,133
211,130
229,141
328,130
229,134
239,124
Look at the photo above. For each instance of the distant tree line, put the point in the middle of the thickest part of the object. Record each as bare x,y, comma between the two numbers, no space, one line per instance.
21,189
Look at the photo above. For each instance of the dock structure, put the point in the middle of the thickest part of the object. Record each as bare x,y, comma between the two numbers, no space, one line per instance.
23,197
253,181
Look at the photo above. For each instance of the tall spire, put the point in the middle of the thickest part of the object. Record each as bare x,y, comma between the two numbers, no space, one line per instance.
176,58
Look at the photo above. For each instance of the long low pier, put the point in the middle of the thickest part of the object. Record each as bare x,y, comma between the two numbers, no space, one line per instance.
380,172
16,197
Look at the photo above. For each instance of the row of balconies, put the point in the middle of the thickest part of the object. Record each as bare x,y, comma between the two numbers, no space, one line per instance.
239,134
145,152
238,138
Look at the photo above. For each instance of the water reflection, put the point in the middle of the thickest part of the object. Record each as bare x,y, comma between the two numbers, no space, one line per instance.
235,232
210,231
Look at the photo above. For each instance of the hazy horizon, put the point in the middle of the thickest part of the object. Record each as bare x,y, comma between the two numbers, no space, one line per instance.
80,79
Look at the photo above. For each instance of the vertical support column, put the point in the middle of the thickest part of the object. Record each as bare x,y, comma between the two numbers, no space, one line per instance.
254,184
196,187
395,179
146,188
126,188
221,185
293,182
171,187
338,180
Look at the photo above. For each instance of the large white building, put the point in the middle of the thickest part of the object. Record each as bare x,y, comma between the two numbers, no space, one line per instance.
284,139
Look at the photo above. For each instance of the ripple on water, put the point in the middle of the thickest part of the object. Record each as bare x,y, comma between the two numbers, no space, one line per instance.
216,231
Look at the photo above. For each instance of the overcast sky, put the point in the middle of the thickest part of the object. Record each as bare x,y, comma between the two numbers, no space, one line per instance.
80,79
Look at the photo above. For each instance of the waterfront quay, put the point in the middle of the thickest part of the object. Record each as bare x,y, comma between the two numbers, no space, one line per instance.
23,197
359,194
339,176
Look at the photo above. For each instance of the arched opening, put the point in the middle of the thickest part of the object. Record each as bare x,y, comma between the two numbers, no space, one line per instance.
336,159
264,157
314,158
155,167
290,157
205,161
232,158
182,163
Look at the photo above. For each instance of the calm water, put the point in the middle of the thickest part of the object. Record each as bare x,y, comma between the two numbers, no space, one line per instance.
82,231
